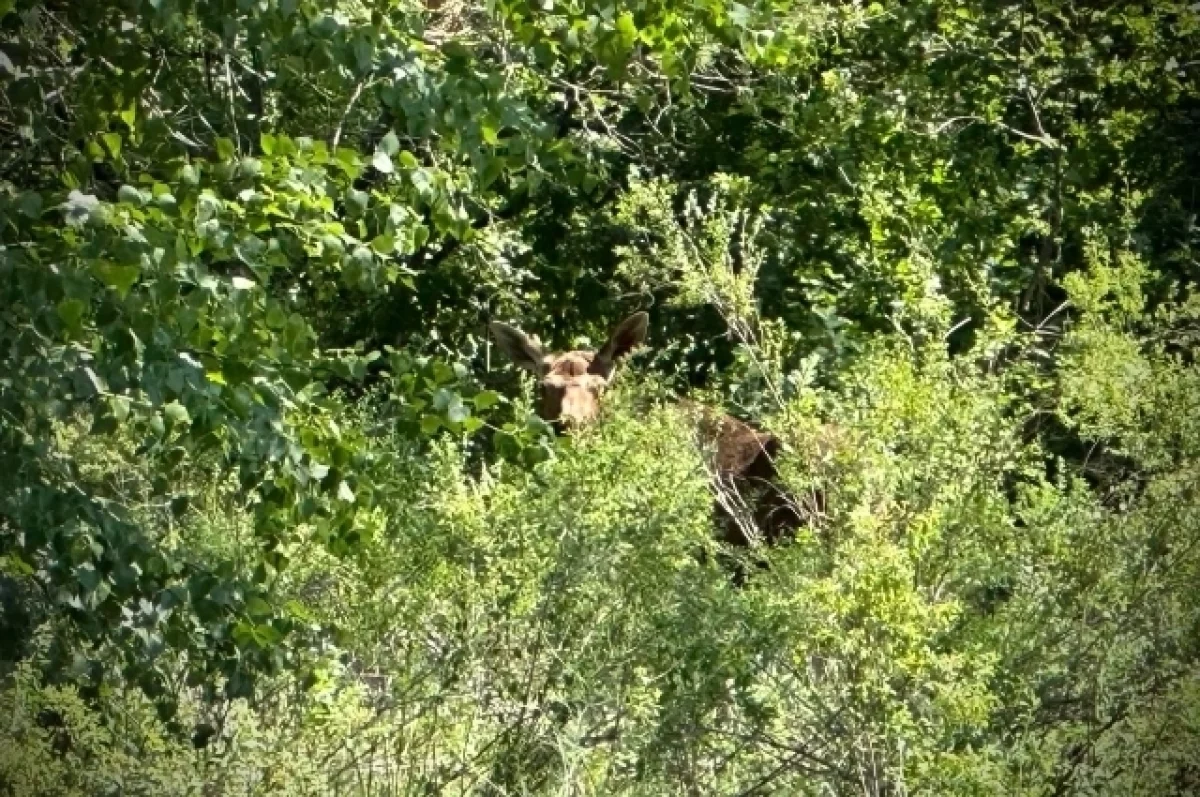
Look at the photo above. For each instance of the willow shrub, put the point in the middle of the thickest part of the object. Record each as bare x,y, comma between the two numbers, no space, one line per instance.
955,618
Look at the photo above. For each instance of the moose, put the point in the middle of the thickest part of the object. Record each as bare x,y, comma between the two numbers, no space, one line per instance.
749,499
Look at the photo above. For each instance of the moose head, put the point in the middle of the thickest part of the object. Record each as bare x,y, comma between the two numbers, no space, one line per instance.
571,383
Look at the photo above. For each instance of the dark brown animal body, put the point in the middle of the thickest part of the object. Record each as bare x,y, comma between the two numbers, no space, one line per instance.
751,506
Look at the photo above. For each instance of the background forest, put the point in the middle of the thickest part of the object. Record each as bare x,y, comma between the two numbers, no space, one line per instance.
277,518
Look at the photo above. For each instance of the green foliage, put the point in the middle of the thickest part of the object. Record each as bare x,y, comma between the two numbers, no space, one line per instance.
709,259
188,325
270,524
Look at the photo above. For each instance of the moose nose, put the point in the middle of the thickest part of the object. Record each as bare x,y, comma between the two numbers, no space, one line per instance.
578,407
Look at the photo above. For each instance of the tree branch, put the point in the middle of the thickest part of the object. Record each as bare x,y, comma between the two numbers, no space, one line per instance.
358,90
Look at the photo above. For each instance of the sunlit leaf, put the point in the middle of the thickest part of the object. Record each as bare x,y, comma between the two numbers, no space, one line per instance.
382,163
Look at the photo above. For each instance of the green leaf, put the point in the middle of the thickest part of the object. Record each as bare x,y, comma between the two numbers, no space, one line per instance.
389,145
408,160
11,564
276,315
243,633
383,163
267,635
457,411
6,6
487,131
485,399
258,608
119,405
356,202
626,31
87,576
259,635
176,413
79,208
384,244
299,611
420,236
118,277
225,149
93,384
422,181
113,142
129,195
70,311
129,116
267,142
430,424
30,204
442,398
325,27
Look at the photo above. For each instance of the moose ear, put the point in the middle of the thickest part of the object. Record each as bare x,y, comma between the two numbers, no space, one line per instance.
628,335
519,348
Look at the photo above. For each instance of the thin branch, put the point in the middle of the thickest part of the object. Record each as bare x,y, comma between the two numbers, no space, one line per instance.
358,90
1037,120
232,99
937,131
1042,137
957,327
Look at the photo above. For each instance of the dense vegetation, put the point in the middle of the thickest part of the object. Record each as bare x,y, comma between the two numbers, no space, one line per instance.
275,518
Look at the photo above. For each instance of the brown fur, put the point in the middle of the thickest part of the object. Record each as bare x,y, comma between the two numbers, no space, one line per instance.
746,479
750,502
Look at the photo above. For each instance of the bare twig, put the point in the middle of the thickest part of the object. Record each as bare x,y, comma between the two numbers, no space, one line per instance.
358,90
1041,137
1037,120
233,114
